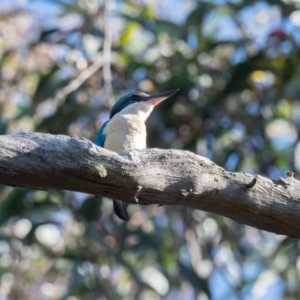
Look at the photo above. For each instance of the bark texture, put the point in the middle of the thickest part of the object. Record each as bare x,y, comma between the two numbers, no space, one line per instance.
153,176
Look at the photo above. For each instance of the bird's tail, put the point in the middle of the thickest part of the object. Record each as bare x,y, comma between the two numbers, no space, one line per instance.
120,210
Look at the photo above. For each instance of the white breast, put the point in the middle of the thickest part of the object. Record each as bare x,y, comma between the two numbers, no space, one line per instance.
125,132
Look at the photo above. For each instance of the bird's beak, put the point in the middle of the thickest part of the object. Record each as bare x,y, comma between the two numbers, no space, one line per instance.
155,99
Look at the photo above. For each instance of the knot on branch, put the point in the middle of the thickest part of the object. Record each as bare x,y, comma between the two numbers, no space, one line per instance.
289,174
251,184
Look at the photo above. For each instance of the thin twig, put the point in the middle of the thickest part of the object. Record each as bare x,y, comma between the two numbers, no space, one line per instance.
77,82
107,54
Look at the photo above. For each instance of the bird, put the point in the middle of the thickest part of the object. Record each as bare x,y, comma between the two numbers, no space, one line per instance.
126,130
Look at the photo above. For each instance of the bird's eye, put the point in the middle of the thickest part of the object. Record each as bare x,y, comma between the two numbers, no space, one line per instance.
135,98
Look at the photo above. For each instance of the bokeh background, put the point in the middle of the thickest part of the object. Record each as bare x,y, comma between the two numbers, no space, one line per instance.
64,63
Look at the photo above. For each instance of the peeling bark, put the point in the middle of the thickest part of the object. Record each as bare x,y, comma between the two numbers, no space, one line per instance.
152,176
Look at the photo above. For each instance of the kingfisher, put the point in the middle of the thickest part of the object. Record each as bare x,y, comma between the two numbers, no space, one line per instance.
126,130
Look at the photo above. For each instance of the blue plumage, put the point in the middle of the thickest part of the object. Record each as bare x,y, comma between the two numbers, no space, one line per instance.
100,137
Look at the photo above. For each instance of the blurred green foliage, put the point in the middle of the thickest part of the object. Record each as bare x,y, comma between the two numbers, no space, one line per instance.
62,66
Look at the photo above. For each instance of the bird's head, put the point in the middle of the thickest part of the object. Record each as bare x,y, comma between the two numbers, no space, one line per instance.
139,103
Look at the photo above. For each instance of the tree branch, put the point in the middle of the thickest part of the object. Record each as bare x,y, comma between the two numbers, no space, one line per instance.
170,177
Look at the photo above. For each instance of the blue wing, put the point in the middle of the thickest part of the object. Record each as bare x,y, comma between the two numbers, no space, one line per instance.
100,137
